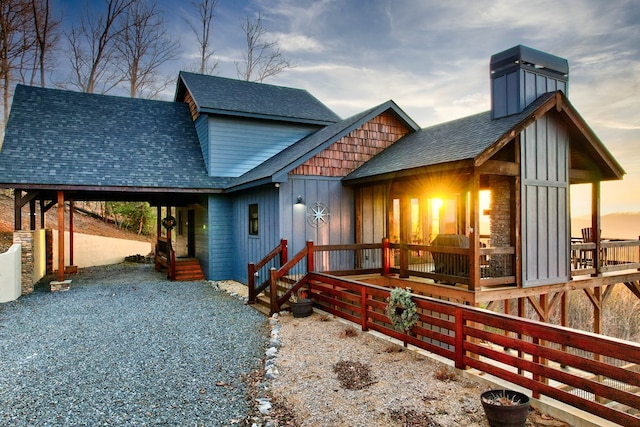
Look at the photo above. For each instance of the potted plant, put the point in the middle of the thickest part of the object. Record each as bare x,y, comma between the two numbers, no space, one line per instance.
301,304
505,408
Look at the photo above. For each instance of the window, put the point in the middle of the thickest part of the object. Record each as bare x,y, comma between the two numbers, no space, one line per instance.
253,219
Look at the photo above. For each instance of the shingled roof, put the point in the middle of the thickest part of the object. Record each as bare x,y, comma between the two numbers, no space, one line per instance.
469,138
276,168
220,95
63,138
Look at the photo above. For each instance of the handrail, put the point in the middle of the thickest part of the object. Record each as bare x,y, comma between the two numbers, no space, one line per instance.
474,338
254,269
276,275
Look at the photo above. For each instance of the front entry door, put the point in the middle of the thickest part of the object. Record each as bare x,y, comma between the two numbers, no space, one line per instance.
191,233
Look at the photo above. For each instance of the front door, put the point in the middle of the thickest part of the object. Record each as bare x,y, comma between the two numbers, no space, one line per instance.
191,233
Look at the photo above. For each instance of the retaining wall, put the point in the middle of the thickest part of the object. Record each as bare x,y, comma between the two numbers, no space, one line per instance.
10,274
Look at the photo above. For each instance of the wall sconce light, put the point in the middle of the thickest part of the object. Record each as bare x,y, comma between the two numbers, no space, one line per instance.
300,201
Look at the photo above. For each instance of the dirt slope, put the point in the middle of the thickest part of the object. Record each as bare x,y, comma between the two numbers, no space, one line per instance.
81,224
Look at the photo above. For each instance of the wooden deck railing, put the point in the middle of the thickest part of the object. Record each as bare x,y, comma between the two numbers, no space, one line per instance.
612,255
546,359
445,264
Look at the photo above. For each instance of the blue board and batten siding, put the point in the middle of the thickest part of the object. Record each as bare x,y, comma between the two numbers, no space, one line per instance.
202,129
545,201
202,235
511,93
220,220
318,193
238,145
252,248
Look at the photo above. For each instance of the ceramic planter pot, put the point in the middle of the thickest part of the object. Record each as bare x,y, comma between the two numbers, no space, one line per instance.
505,408
302,308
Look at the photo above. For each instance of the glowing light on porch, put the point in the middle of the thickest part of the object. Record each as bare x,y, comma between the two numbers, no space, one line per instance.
436,205
485,210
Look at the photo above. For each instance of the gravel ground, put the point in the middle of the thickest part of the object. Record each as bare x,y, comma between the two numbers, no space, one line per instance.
126,347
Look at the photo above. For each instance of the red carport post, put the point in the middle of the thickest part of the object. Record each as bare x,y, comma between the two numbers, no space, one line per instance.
60,236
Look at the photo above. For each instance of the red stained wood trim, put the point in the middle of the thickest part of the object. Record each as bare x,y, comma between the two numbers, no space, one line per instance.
60,236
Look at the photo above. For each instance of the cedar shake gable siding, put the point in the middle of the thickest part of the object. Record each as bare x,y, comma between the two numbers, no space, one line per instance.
353,150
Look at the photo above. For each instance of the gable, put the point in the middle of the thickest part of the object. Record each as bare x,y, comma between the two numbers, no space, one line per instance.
356,148
240,98
237,145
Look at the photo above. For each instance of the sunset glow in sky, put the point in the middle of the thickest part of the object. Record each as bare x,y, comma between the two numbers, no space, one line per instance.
432,59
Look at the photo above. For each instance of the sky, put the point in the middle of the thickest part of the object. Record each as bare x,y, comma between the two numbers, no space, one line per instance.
432,59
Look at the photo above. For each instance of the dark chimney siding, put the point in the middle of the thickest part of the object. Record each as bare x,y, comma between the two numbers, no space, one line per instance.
520,75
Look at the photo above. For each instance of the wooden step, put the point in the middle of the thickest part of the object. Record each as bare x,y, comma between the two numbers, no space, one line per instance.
188,269
263,304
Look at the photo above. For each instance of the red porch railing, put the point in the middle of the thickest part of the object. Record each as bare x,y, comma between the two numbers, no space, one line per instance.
547,359
588,371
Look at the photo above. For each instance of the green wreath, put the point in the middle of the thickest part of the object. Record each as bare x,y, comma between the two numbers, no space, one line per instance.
401,310
169,222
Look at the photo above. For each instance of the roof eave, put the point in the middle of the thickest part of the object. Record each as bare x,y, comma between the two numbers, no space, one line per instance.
108,188
264,116
251,184
458,165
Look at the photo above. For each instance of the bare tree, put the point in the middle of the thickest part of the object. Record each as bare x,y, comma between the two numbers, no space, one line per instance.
93,52
202,30
143,48
262,57
16,40
47,36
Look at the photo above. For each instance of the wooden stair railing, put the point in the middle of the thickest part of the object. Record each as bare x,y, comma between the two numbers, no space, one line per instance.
165,256
276,276
279,277
253,270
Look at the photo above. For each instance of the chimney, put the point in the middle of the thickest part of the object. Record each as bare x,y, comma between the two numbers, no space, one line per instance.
520,75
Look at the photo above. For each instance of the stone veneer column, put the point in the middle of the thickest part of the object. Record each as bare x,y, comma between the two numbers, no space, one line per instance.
25,238
500,223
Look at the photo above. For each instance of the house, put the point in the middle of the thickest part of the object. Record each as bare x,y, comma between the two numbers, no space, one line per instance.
251,180
242,165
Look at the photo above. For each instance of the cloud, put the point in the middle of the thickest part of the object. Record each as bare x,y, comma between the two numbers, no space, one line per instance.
292,42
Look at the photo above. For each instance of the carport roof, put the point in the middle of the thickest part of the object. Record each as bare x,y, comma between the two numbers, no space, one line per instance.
64,139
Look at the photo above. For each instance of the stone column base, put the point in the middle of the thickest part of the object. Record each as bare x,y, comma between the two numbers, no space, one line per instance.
56,286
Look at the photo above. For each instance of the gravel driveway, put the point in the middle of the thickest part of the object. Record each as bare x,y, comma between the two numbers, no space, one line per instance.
126,347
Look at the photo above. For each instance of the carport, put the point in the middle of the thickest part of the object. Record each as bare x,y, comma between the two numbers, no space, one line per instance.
65,147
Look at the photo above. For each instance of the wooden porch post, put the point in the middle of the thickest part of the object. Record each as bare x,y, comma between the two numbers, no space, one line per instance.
386,265
405,234
474,233
42,212
32,214
71,206
596,226
310,257
17,209
251,283
273,291
158,221
60,236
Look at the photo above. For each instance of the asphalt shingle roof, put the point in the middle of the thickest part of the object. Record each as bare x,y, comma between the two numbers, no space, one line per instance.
221,95
57,137
452,141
